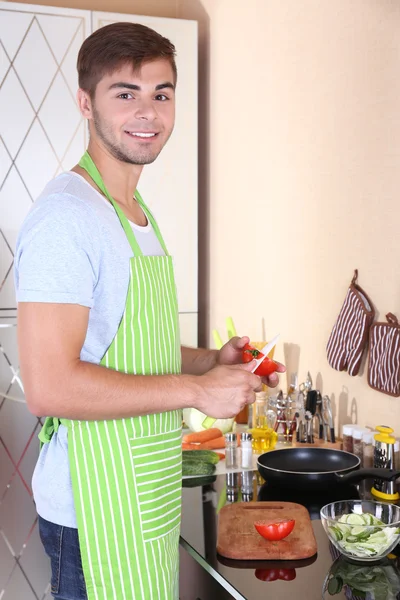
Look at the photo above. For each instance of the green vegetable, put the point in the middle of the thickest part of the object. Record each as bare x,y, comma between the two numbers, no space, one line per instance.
196,467
363,536
376,582
205,455
194,420
208,422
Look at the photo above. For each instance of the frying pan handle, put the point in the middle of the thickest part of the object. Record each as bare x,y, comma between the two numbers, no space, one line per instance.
355,476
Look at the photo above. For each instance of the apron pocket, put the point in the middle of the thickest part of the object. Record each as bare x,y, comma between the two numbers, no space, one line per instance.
157,463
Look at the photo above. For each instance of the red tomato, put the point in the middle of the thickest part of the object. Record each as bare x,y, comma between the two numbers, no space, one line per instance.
287,574
267,367
274,574
249,353
267,574
275,531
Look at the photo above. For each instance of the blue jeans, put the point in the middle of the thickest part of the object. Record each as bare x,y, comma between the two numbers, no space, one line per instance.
62,547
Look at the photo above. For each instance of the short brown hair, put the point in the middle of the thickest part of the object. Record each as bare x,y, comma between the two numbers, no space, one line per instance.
115,45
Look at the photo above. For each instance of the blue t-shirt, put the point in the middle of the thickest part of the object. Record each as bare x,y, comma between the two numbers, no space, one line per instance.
72,249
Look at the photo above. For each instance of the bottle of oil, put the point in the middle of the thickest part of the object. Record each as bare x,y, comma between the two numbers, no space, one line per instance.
262,424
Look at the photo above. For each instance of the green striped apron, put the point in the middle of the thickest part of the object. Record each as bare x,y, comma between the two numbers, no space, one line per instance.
127,473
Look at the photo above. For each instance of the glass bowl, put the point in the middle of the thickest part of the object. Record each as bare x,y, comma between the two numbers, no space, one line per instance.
362,530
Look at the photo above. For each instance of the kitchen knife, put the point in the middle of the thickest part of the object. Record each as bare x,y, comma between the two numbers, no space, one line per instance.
265,351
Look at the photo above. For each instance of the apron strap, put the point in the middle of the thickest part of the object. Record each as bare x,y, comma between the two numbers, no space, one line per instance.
88,164
152,220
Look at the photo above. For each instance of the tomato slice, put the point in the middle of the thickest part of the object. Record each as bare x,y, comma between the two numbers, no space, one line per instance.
274,574
275,531
287,574
267,574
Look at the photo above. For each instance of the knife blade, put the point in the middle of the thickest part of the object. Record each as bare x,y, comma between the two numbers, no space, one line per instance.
267,348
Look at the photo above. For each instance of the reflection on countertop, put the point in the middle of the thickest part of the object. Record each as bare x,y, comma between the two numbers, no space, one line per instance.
323,576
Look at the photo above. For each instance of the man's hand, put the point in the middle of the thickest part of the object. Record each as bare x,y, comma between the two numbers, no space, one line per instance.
231,354
226,389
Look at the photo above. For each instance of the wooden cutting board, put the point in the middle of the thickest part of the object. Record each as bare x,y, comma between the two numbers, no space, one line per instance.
238,538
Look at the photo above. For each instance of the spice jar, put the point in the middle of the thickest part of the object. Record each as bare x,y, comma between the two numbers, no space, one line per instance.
347,433
358,433
246,450
368,449
230,450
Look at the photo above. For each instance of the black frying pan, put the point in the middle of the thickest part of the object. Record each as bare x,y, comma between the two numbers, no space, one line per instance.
316,468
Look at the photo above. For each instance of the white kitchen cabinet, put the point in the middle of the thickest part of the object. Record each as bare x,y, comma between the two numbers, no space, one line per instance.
42,134
188,326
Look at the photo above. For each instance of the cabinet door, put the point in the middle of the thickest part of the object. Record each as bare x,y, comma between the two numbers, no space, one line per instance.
41,130
169,185
188,327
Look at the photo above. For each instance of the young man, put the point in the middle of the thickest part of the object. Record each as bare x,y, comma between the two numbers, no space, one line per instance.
99,340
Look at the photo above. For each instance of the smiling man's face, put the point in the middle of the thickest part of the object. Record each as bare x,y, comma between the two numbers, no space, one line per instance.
133,112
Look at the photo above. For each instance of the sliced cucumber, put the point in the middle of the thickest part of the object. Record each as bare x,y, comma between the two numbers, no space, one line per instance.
354,519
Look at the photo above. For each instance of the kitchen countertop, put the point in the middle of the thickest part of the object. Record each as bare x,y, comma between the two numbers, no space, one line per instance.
199,538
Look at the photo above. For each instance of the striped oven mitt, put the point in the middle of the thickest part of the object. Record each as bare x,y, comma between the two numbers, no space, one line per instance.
384,356
349,336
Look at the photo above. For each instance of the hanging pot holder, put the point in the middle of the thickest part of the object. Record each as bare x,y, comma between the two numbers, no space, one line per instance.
349,336
384,356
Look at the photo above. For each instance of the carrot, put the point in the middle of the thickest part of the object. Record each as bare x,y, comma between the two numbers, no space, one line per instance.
221,455
202,436
186,446
213,444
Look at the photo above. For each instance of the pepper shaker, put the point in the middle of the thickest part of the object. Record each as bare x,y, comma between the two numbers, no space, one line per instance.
230,450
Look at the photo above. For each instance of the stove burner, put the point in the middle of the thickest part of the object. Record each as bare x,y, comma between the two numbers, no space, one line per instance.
313,500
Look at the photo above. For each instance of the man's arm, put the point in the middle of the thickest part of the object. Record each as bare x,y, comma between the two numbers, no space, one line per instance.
197,361
57,383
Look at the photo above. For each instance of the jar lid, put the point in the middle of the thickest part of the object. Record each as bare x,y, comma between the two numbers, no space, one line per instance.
347,430
384,429
231,436
368,436
358,433
246,436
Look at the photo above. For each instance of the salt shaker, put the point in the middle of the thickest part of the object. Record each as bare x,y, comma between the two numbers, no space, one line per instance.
247,486
230,450
247,450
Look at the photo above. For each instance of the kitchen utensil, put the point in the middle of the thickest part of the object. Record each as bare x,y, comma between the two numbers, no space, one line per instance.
267,348
327,409
374,543
318,414
315,468
293,384
239,540
308,417
384,458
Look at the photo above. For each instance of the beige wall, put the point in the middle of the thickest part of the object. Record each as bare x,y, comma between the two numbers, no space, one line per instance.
305,150
299,171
